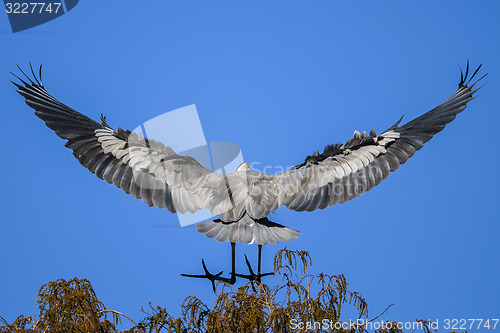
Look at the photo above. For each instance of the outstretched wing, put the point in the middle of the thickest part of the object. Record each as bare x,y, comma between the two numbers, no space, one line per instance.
138,166
146,169
345,171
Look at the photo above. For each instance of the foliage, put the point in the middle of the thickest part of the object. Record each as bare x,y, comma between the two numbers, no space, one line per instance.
67,306
72,306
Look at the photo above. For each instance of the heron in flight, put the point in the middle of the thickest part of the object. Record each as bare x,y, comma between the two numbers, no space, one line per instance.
151,171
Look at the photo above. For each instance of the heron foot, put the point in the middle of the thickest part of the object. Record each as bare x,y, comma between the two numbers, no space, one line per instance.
252,277
213,278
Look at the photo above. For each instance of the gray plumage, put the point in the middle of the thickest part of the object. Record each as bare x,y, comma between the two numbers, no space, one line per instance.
153,172
247,230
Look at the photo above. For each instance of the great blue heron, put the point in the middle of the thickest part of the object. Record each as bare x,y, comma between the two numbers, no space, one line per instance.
242,200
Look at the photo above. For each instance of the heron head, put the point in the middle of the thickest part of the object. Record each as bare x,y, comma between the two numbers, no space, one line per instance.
244,167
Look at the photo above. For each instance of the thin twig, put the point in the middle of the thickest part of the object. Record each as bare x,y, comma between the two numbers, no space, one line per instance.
381,313
118,313
4,322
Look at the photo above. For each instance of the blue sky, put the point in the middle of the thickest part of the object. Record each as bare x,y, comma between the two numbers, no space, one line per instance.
281,79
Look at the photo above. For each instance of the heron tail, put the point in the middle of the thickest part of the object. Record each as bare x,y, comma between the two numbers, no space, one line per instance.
247,230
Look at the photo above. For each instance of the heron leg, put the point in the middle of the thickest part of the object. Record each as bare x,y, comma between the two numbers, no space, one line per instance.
259,275
258,268
217,277
252,276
